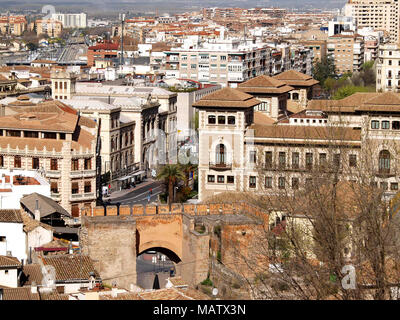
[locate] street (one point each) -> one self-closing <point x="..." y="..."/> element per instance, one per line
<point x="139" y="194"/>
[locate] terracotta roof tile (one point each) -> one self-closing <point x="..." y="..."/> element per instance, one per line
<point x="295" y="78"/>
<point x="71" y="267"/>
<point x="23" y="293"/>
<point x="264" y="84"/>
<point x="6" y="261"/>
<point x="12" y="216"/>
<point x="31" y="273"/>
<point x="227" y="97"/>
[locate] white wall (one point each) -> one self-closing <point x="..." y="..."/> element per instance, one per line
<point x="9" y="279"/>
<point x="15" y="240"/>
<point x="38" y="237"/>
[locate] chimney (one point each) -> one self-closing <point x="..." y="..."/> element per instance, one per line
<point x="114" y="293"/>
<point x="34" y="287"/>
<point x="9" y="254"/>
<point x="37" y="211"/>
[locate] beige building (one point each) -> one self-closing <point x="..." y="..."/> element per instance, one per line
<point x="388" y="68"/>
<point x="381" y="15"/>
<point x="52" y="28"/>
<point x="241" y="151"/>
<point x="56" y="141"/>
<point x="347" y="50"/>
<point x="13" y="25"/>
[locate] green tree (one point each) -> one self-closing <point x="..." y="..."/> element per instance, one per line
<point x="324" y="69"/>
<point x="348" y="90"/>
<point x="171" y="174"/>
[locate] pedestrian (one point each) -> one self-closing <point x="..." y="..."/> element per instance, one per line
<point x="151" y="191"/>
<point x="148" y="198"/>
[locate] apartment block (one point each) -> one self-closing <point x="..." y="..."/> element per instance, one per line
<point x="52" y="28"/>
<point x="347" y="50"/>
<point x="388" y="68"/>
<point x="13" y="25"/>
<point x="225" y="62"/>
<point x="377" y="14"/>
<point x="71" y="20"/>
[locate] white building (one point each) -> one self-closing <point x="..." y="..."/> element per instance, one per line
<point x="71" y="20"/>
<point x="340" y="24"/>
<point x="9" y="271"/>
<point x="388" y="68"/>
<point x="12" y="235"/>
<point x="15" y="184"/>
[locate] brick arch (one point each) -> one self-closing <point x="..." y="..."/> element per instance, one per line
<point x="163" y="247"/>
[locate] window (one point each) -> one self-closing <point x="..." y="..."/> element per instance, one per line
<point x="53" y="164"/>
<point x="1" y="161"/>
<point x="252" y="182"/>
<point x="295" y="183"/>
<point x="3" y="238"/>
<point x="253" y="156"/>
<point x="352" y="160"/>
<point x="394" y="186"/>
<point x="281" y="182"/>
<point x="75" y="210"/>
<point x="385" y="124"/>
<point x="35" y="163"/>
<point x="75" y="165"/>
<point x="221" y="119"/>
<point x="211" y="119"/>
<point x="75" y="188"/>
<point x="193" y="66"/>
<point x="374" y="124"/>
<point x="309" y="161"/>
<point x="231" y="120"/>
<point x="384" y="186"/>
<point x="54" y="187"/>
<point x="282" y="160"/>
<point x="230" y="179"/>
<point x="268" y="159"/>
<point x="268" y="182"/>
<point x="384" y="161"/>
<point x="221" y="179"/>
<point x="211" y="179"/>
<point x="88" y="187"/>
<point x="220" y="154"/>
<point x="17" y="162"/>
<point x="295" y="96"/>
<point x="396" y="125"/>
<point x="295" y="160"/>
<point x="88" y="164"/>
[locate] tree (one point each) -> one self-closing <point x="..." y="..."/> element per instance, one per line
<point x="348" y="90"/>
<point x="340" y="217"/>
<point x="171" y="174"/>
<point x="324" y="69"/>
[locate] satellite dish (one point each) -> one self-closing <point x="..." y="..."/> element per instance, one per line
<point x="215" y="292"/>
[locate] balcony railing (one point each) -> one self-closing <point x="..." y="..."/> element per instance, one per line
<point x="82" y="173"/>
<point x="56" y="196"/>
<point x="53" y="174"/>
<point x="220" y="165"/>
<point x="82" y="196"/>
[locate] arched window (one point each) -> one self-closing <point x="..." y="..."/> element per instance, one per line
<point x="220" y="155"/>
<point x="384" y="161"/>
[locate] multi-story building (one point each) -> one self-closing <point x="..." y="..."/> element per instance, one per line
<point x="71" y="20"/>
<point x="319" y="48"/>
<point x="224" y="62"/>
<point x="347" y="50"/>
<point x="340" y="24"/>
<point x="55" y="140"/>
<point x="52" y="28"/>
<point x="149" y="112"/>
<point x="102" y="51"/>
<point x="388" y="68"/>
<point x="14" y="25"/>
<point x="377" y="14"/>
<point x="243" y="152"/>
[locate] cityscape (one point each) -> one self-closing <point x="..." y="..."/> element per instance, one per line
<point x="239" y="151"/>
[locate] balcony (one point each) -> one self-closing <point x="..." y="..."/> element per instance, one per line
<point x="53" y="174"/>
<point x="220" y="166"/>
<point x="56" y="196"/>
<point x="82" y="196"/>
<point x="83" y="173"/>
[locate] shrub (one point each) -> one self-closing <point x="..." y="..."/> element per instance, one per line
<point x="207" y="282"/>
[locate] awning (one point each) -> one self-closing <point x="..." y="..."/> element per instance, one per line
<point x="125" y="178"/>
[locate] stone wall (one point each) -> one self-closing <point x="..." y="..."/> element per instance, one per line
<point x="111" y="243"/>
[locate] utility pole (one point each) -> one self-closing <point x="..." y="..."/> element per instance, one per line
<point x="122" y="18"/>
